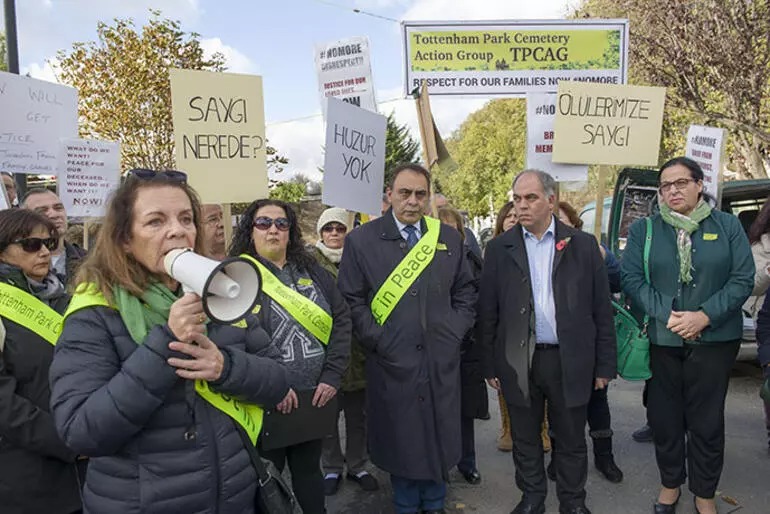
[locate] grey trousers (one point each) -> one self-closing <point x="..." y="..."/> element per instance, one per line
<point x="352" y="403"/>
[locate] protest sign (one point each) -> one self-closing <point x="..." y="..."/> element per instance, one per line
<point x="541" y="113"/>
<point x="219" y="130"/>
<point x="511" y="57"/>
<point x="706" y="146"/>
<point x="608" y="124"/>
<point x="89" y="171"/>
<point x="354" y="165"/>
<point x="344" y="71"/>
<point x="34" y="115"/>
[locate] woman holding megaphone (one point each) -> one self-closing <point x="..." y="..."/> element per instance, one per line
<point x="309" y="322"/>
<point x="142" y="384"/>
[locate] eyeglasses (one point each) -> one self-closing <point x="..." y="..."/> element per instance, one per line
<point x="146" y="174"/>
<point x="341" y="229"/>
<point x="679" y="184"/>
<point x="264" y="223"/>
<point x="214" y="220"/>
<point x="34" y="244"/>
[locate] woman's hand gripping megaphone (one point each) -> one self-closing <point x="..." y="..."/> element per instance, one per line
<point x="187" y="322"/>
<point x="187" y="318"/>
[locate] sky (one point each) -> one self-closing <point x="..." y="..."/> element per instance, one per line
<point x="275" y="39"/>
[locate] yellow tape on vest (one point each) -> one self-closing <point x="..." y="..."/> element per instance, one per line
<point x="24" y="309"/>
<point x="246" y="415"/>
<point x="403" y="276"/>
<point x="307" y="313"/>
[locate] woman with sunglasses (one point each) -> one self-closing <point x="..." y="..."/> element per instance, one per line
<point x="142" y="383"/>
<point x="37" y="471"/>
<point x="315" y="348"/>
<point x="700" y="273"/>
<point x="332" y="228"/>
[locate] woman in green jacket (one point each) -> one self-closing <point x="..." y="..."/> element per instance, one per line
<point x="332" y="228"/>
<point x="701" y="272"/>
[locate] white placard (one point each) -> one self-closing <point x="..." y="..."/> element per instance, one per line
<point x="541" y="113"/>
<point x="354" y="166"/>
<point x="344" y="71"/>
<point x="34" y="115"/>
<point x="705" y="145"/>
<point x="89" y="171"/>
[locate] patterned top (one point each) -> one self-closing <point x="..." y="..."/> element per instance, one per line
<point x="301" y="352"/>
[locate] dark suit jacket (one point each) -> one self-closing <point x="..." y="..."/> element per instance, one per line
<point x="413" y="359"/>
<point x="584" y="320"/>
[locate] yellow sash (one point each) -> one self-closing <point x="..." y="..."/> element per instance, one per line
<point x="306" y="312"/>
<point x="403" y="276"/>
<point x="24" y="309"/>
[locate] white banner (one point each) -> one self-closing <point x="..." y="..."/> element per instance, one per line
<point x="705" y="145"/>
<point x="541" y="114"/>
<point x="344" y="71"/>
<point x="89" y="171"/>
<point x="354" y="165"/>
<point x="512" y="58"/>
<point x="34" y="115"/>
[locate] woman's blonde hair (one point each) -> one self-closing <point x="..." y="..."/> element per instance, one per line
<point x="452" y="216"/>
<point x="107" y="264"/>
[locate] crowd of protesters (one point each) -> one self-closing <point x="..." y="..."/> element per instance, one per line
<point x="105" y="404"/>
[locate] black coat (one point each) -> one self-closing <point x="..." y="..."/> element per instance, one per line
<point x="585" y="327"/>
<point x="474" y="401"/>
<point x="413" y="361"/>
<point x="155" y="445"/>
<point x="37" y="471"/>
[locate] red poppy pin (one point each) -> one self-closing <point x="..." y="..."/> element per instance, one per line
<point x="561" y="245"/>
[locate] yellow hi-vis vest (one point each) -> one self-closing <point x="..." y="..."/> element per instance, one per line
<point x="247" y="415"/>
<point x="24" y="309"/>
<point x="306" y="312"/>
<point x="403" y="276"/>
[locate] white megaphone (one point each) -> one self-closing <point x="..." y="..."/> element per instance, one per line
<point x="229" y="289"/>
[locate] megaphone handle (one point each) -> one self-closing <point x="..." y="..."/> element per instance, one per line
<point x="187" y="289"/>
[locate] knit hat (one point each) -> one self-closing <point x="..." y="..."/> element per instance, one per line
<point x="333" y="214"/>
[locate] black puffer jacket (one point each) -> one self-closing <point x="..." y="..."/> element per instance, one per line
<point x="156" y="445"/>
<point x="37" y="471"/>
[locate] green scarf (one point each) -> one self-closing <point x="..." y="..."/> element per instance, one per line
<point x="685" y="226"/>
<point x="141" y="314"/>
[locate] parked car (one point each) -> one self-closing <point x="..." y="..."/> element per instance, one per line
<point x="636" y="196"/>
<point x="588" y="215"/>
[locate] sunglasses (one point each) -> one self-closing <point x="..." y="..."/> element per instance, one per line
<point x="341" y="229"/>
<point x="146" y="174"/>
<point x="264" y="223"/>
<point x="34" y="244"/>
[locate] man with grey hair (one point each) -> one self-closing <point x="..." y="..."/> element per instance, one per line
<point x="546" y="333"/>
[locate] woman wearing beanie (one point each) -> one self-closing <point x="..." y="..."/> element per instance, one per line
<point x="332" y="227"/>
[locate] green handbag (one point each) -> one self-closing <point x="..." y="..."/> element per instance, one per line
<point x="633" y="343"/>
